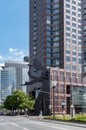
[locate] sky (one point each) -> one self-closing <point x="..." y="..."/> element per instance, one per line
<point x="14" y="29"/>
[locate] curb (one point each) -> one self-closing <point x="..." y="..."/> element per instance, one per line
<point x="70" y="123"/>
<point x="78" y="124"/>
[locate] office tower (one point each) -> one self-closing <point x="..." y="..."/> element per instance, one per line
<point x="7" y="82"/>
<point x="55" y="33"/>
<point x="57" y="39"/>
<point x="21" y="73"/>
<point x="84" y="35"/>
<point x="12" y="75"/>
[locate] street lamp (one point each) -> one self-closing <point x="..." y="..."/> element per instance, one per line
<point x="53" y="102"/>
<point x="53" y="86"/>
<point x="18" y="104"/>
<point x="72" y="109"/>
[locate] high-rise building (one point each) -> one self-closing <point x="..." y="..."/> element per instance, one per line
<point x="55" y="33"/>
<point x="7" y="82"/>
<point x="21" y="75"/>
<point x="84" y="34"/>
<point x="12" y="75"/>
<point x="57" y="39"/>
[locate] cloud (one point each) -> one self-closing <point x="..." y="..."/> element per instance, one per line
<point x="14" y="55"/>
<point x="1" y="64"/>
<point x="17" y="54"/>
<point x="12" y="50"/>
<point x="1" y="57"/>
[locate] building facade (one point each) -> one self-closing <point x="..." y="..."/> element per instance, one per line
<point x="7" y="82"/>
<point x="84" y="35"/>
<point x="21" y="74"/>
<point x="12" y="75"/>
<point x="55" y="33"/>
<point x="57" y="39"/>
<point x="67" y="90"/>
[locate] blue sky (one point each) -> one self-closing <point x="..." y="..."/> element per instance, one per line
<point x="14" y="30"/>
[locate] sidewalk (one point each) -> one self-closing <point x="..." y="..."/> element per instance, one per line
<point x="78" y="124"/>
<point x="41" y="118"/>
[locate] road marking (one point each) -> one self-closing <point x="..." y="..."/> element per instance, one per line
<point x="2" y="119"/>
<point x="3" y="123"/>
<point x="47" y="125"/>
<point x="13" y="124"/>
<point x="56" y="127"/>
<point x="26" y="129"/>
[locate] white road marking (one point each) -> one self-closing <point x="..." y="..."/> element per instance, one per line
<point x="13" y="124"/>
<point x="3" y="123"/>
<point x="2" y="119"/>
<point x="33" y="122"/>
<point x="10" y="123"/>
<point x="60" y="128"/>
<point x="47" y="125"/>
<point x="26" y="129"/>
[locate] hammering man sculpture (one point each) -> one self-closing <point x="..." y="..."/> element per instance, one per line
<point x="43" y="100"/>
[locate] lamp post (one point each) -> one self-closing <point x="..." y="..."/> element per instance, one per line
<point x="72" y="109"/>
<point x="53" y="85"/>
<point x="53" y="102"/>
<point x="18" y="104"/>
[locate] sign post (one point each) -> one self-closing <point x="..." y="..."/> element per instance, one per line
<point x="72" y="111"/>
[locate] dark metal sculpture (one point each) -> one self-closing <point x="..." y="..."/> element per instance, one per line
<point x="43" y="99"/>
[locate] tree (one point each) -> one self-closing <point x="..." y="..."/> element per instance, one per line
<point x="19" y="100"/>
<point x="7" y="103"/>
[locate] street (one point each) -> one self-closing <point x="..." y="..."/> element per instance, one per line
<point x="24" y="123"/>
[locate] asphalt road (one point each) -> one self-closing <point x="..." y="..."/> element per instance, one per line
<point x="24" y="123"/>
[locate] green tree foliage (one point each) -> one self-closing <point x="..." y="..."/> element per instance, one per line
<point x="19" y="100"/>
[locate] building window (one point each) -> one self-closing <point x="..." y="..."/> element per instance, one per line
<point x="73" y="19"/>
<point x="68" y="34"/>
<point x="79" y="61"/>
<point x="74" y="13"/>
<point x="79" y="15"/>
<point x="67" y="52"/>
<point x="74" y="53"/>
<point x="73" y="41"/>
<point x="73" y="35"/>
<point x="73" y="60"/>
<point x="74" y="24"/>
<point x="73" y="2"/>
<point x="67" y="11"/>
<point x="49" y="62"/>
<point x="67" y="40"/>
<point x="79" y="54"/>
<point x="74" y="47"/>
<point x="74" y="30"/>
<point x="68" y="28"/>
<point x="67" y="22"/>
<point x="74" y="68"/>
<point x="67" y="16"/>
<point x="79" y="10"/>
<point x="68" y="66"/>
<point x="68" y="5"/>
<point x="67" y="58"/>
<point x="73" y="7"/>
<point x="68" y="46"/>
<point x="68" y="0"/>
